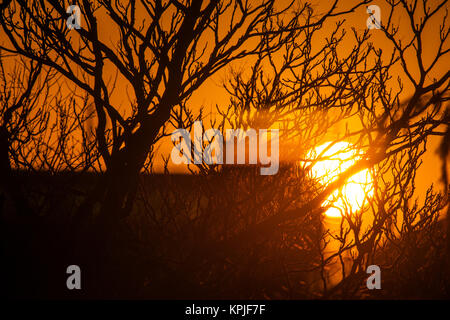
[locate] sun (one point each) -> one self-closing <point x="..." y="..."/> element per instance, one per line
<point x="336" y="159"/>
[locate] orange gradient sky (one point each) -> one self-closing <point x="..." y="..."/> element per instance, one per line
<point x="212" y="93"/>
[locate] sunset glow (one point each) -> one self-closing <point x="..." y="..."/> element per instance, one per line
<point x="337" y="159"/>
<point x="233" y="151"/>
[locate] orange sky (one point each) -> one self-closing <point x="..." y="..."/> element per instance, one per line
<point x="212" y="92"/>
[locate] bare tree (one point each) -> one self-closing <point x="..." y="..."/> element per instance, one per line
<point x="41" y="125"/>
<point x="158" y="54"/>
<point x="267" y="236"/>
<point x="393" y="134"/>
<point x="389" y="125"/>
<point x="21" y="120"/>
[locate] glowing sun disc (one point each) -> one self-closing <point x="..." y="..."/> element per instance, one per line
<point x="337" y="159"/>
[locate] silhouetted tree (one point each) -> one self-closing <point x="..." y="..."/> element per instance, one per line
<point x="161" y="52"/>
<point x="234" y="232"/>
<point x="21" y="120"/>
<point x="298" y="91"/>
